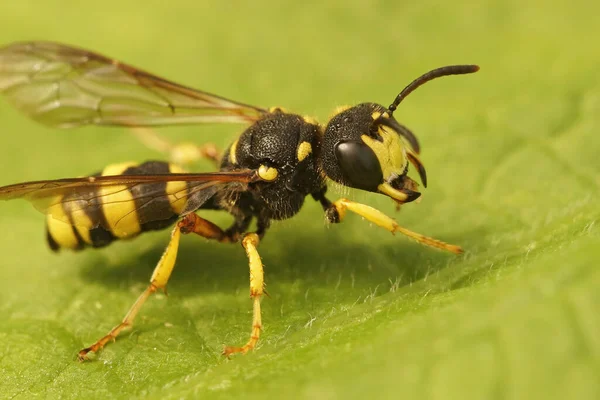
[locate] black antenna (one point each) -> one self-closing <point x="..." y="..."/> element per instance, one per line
<point x="436" y="73"/>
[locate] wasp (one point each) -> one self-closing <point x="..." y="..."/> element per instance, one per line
<point x="264" y="175"/>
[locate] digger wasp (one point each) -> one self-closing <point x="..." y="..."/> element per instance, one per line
<point x="264" y="175"/>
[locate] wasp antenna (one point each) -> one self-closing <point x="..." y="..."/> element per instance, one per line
<point x="433" y="74"/>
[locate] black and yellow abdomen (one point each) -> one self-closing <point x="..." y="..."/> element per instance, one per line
<point x="117" y="213"/>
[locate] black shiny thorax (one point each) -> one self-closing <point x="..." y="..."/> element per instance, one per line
<point x="287" y="142"/>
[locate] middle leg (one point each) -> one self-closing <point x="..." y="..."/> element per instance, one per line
<point x="192" y="223"/>
<point x="257" y="283"/>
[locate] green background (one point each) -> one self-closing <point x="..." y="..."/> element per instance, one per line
<point x="512" y="158"/>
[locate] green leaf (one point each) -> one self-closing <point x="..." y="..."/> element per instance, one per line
<point x="354" y="312"/>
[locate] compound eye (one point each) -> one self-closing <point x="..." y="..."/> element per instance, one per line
<point x="359" y="165"/>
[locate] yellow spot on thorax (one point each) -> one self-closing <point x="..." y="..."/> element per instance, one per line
<point x="267" y="173"/>
<point x="310" y="120"/>
<point x="304" y="149"/>
<point x="232" y="151"/>
<point x="278" y="109"/>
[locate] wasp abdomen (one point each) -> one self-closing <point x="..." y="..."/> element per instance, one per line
<point x="111" y="213"/>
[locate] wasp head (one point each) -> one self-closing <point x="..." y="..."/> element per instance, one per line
<point x="364" y="147"/>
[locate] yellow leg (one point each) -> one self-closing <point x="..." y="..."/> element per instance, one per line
<point x="257" y="282"/>
<point x="159" y="280"/>
<point x="382" y="220"/>
<point x="180" y="154"/>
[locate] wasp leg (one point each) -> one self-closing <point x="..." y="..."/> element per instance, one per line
<point x="250" y="242"/>
<point x="337" y="211"/>
<point x="159" y="280"/>
<point x="180" y="154"/>
<point x="320" y="197"/>
<point x="192" y="223"/>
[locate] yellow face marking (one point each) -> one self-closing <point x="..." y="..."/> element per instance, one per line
<point x="386" y="188"/>
<point x="118" y="205"/>
<point x="177" y="191"/>
<point x="390" y="152"/>
<point x="267" y="173"/>
<point x="304" y="150"/>
<point x="232" y="150"/>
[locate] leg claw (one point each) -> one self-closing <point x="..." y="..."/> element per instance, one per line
<point x="229" y="350"/>
<point x="82" y="355"/>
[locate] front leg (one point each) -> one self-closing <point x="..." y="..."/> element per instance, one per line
<point x="192" y="223"/>
<point x="321" y="198"/>
<point x="336" y="211"/>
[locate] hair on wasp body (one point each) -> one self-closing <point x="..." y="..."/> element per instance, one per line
<point x="264" y="175"/>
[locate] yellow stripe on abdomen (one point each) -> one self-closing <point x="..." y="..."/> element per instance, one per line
<point x="61" y="232"/>
<point x="67" y="223"/>
<point x="107" y="213"/>
<point x="177" y="191"/>
<point x="118" y="205"/>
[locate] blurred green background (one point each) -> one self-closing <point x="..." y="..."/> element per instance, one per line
<point x="512" y="158"/>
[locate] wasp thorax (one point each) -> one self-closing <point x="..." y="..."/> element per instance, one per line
<point x="281" y="148"/>
<point x="361" y="151"/>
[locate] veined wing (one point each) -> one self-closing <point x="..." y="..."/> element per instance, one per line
<point x="65" y="86"/>
<point x="79" y="201"/>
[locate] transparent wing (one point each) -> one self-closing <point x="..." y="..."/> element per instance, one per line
<point x="87" y="196"/>
<point x="65" y="86"/>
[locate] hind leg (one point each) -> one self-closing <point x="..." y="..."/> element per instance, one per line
<point x="159" y="280"/>
<point x="180" y="154"/>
